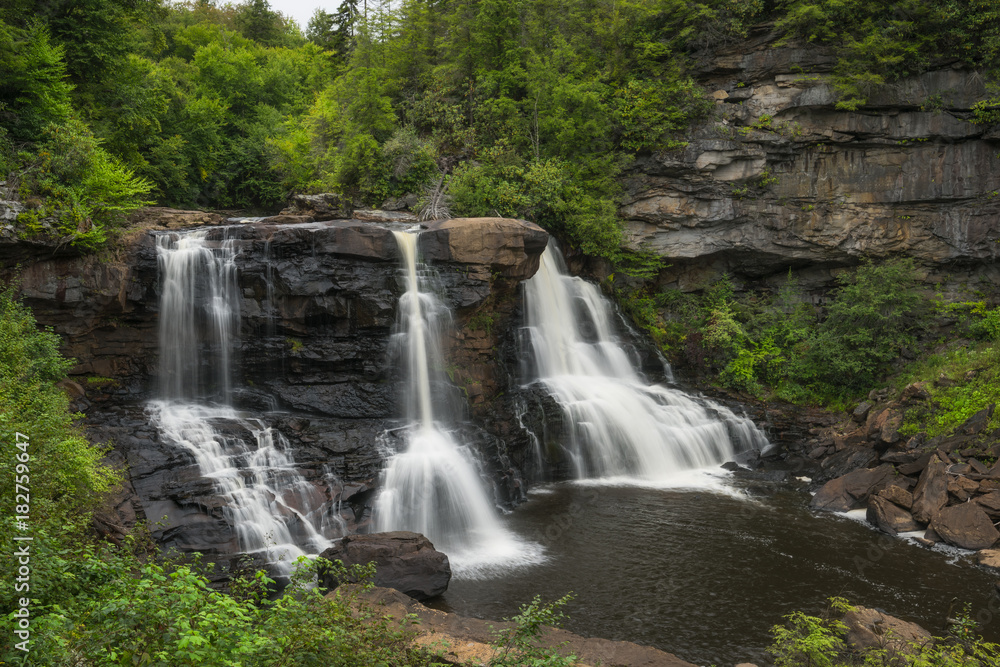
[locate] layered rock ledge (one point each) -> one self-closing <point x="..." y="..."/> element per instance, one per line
<point x="779" y="178"/>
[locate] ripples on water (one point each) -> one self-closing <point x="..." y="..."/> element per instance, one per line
<point x="705" y="574"/>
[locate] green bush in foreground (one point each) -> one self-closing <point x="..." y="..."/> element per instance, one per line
<point x="62" y="472"/>
<point x="812" y="641"/>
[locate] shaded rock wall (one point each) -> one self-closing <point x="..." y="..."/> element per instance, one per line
<point x="318" y="307"/>
<point x="777" y="177"/>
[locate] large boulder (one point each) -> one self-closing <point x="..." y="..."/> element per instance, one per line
<point x="852" y="490"/>
<point x="931" y="493"/>
<point x="871" y="628"/>
<point x="405" y="561"/>
<point x="890" y="517"/>
<point x="966" y="526"/>
<point x="504" y="245"/>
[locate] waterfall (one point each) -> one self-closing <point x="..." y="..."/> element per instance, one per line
<point x="198" y="308"/>
<point x="275" y="512"/>
<point x="434" y="486"/>
<point x="619" y="426"/>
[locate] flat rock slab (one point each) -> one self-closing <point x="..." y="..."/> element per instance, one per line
<point x="467" y="640"/>
<point x="966" y="526"/>
<point x="404" y="561"/>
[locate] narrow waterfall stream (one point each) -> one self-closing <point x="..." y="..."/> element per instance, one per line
<point x="275" y="512"/>
<point x="434" y="486"/>
<point x="619" y="426"/>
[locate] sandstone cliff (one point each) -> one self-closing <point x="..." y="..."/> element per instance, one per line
<point x="777" y="177"/>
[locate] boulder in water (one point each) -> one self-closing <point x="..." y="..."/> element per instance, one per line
<point x="852" y="490"/>
<point x="890" y="517"/>
<point x="966" y="526"/>
<point x="403" y="560"/>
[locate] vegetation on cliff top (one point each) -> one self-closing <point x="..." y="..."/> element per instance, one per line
<point x="523" y="108"/>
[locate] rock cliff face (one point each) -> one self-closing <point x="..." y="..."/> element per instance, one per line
<point x="779" y="178"/>
<point x="318" y="305"/>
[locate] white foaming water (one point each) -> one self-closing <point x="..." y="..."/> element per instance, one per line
<point x="621" y="428"/>
<point x="198" y="305"/>
<point x="274" y="510"/>
<point x="434" y="486"/>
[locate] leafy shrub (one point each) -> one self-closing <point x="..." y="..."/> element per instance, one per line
<point x="518" y="645"/>
<point x="811" y="641"/>
<point x="875" y="313"/>
<point x="67" y="477"/>
<point x="85" y="189"/>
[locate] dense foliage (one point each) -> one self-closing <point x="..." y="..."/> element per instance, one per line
<point x="526" y="108"/>
<point x="779" y="343"/>
<point x="820" y="641"/>
<point x="61" y="470"/>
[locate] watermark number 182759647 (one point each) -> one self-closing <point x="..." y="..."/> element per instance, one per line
<point x="22" y="542"/>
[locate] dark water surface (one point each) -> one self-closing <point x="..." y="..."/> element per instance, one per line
<point x="705" y="575"/>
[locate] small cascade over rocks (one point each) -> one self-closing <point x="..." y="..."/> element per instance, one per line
<point x="434" y="486"/>
<point x="619" y="426"/>
<point x="275" y="512"/>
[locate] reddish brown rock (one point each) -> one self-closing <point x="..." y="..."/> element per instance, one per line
<point x="990" y="502"/>
<point x="966" y="526"/>
<point x="890" y="517"/>
<point x="852" y="490"/>
<point x="989" y="558"/>
<point x="506" y="245"/>
<point x="870" y="628"/>
<point x="931" y="493"/>
<point x="914" y="393"/>
<point x="962" y="487"/>
<point x="897" y="495"/>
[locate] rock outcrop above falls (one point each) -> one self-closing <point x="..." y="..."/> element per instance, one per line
<point x="778" y="177"/>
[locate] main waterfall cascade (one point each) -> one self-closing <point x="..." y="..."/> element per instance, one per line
<point x="619" y="426"/>
<point x="275" y="512"/>
<point x="434" y="486"/>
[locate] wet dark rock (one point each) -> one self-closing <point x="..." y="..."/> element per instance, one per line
<point x="908" y="456"/>
<point x="966" y="526"/>
<point x="845" y="461"/>
<point x="405" y="561"/>
<point x="917" y="466"/>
